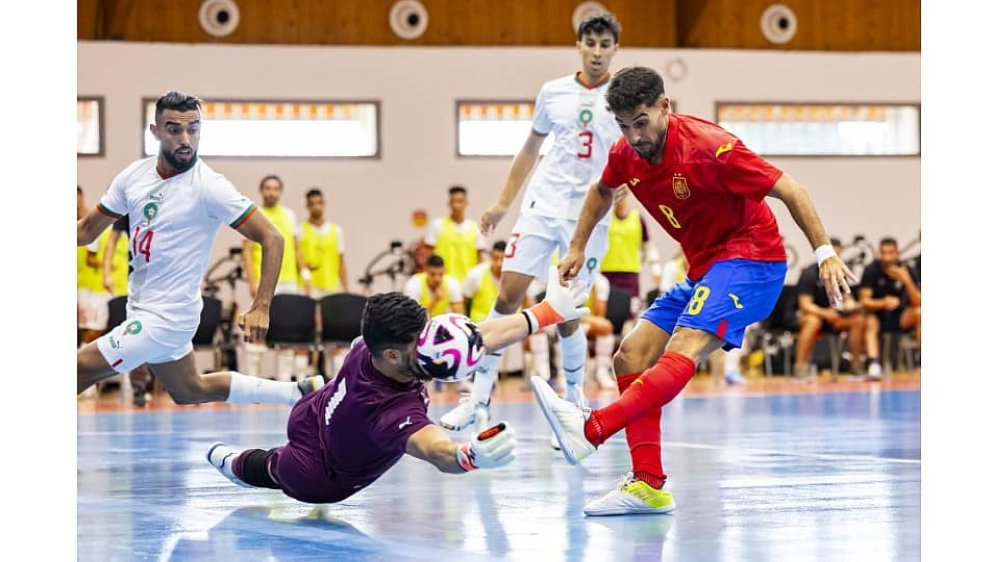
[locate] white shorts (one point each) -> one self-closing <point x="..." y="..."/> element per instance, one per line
<point x="534" y="239"/>
<point x="143" y="338"/>
<point x="93" y="309"/>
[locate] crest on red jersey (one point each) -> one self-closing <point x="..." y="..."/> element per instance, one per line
<point x="681" y="190"/>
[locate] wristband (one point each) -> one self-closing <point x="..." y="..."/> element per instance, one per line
<point x="540" y="316"/>
<point x="464" y="461"/>
<point x="824" y="253"/>
<point x="306" y="274"/>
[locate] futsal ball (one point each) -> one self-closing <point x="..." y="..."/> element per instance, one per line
<point x="449" y="348"/>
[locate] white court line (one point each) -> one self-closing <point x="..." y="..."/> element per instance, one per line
<point x="823" y="456"/>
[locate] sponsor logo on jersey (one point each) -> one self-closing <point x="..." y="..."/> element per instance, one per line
<point x="723" y="149"/>
<point x="335" y="400"/>
<point x="681" y="190"/>
<point x="633" y="182"/>
<point x="406" y="423"/>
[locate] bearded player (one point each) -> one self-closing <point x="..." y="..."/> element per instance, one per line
<point x="175" y="203"/>
<point x="572" y="109"/>
<point x="342" y="438"/>
<point x="706" y="189"/>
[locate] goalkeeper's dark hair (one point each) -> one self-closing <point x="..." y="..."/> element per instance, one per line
<point x="391" y="320"/>
<point x="632" y="87"/>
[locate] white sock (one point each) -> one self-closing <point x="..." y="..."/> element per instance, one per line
<point x="486" y="371"/>
<point x="255" y="390"/>
<point x="731" y="362"/>
<point x="538" y="343"/>
<point x="574" y="356"/>
<point x="604" y="346"/>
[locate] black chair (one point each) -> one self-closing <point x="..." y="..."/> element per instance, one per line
<point x="116" y="312"/>
<point x="340" y="318"/>
<point x="208" y="327"/>
<point x="340" y="315"/>
<point x="780" y="329"/>
<point x="293" y="322"/>
<point x="619" y="309"/>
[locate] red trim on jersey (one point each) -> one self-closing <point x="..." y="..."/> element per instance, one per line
<point x="242" y="220"/>
<point x="597" y="84"/>
<point x="107" y="212"/>
<point x="721" y="330"/>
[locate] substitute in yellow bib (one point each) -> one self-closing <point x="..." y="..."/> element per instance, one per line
<point x="271" y="188"/>
<point x="628" y="247"/>
<point x="482" y="284"/>
<point x="457" y="240"/>
<point x="435" y="290"/>
<point x="323" y="245"/>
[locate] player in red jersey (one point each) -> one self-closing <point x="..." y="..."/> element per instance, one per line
<point x="706" y="189"/>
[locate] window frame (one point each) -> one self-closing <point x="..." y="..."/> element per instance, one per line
<point x="100" y="127"/>
<point x="914" y="104"/>
<point x="378" y="127"/>
<point x="458" y="123"/>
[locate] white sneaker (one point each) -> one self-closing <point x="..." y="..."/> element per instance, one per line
<point x="605" y="380"/>
<point x="467" y="412"/>
<point x="221" y="457"/>
<point x="574" y="394"/>
<point x="875" y="371"/>
<point x="566" y="421"/>
<point x="630" y="496"/>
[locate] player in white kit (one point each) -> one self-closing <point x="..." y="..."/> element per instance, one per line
<point x="571" y="108"/>
<point x="175" y="204"/>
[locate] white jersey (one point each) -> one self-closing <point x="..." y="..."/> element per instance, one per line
<point x="173" y="222"/>
<point x="584" y="131"/>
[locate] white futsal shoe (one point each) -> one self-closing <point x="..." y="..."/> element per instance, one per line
<point x="566" y="421"/>
<point x="309" y="385"/>
<point x="468" y="412"/>
<point x="574" y="394"/>
<point x="221" y="457"/>
<point x="632" y="497"/>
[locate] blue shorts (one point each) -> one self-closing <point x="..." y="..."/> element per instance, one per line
<point x="727" y="299"/>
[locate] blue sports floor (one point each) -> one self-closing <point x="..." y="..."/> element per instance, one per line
<point x="806" y="476"/>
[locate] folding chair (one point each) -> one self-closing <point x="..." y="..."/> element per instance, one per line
<point x="340" y="316"/>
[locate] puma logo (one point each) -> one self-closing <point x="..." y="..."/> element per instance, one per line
<point x="736" y="301"/>
<point x="406" y="423"/>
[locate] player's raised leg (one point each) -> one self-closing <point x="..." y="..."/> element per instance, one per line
<point x="475" y="408"/>
<point x="91" y="367"/>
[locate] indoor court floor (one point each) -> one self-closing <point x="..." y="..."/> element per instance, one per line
<point x="770" y="471"/>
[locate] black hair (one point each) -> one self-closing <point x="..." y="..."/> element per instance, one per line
<point x="177" y="101"/>
<point x="834" y="241"/>
<point x="435" y="261"/>
<point x="457" y="189"/>
<point x="281" y="184"/>
<point x="632" y="87"/>
<point x="391" y="320"/>
<point x="599" y="24"/>
<point x="314" y="192"/>
<point x="888" y="241"/>
<point x="79" y="190"/>
<point x="499" y="246"/>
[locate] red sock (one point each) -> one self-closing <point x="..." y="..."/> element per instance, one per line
<point x="643" y="436"/>
<point x="660" y="384"/>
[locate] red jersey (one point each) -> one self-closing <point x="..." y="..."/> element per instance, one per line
<point x="707" y="193"/>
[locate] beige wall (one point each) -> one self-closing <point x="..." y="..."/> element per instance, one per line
<point x="417" y="87"/>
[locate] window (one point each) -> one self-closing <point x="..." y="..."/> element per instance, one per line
<point x="495" y="128"/>
<point x="89" y="140"/>
<point x="282" y="129"/>
<point x="773" y="129"/>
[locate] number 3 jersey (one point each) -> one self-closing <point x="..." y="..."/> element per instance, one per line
<point x="707" y="193"/>
<point x="173" y="221"/>
<point x="583" y="132"/>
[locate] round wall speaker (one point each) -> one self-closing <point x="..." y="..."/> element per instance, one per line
<point x="219" y="17"/>
<point x="778" y="24"/>
<point x="408" y="19"/>
<point x="586" y="10"/>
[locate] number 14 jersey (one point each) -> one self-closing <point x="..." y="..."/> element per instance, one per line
<point x="173" y="221"/>
<point x="583" y="130"/>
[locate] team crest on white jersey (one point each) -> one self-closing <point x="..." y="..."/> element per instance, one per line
<point x="152" y="208"/>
